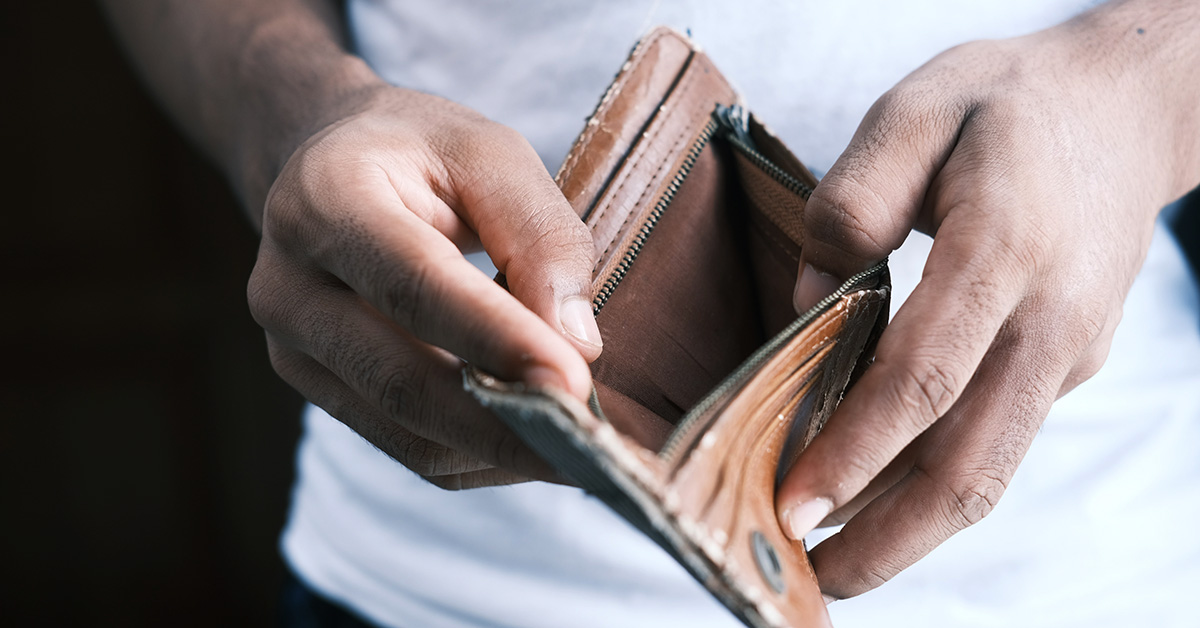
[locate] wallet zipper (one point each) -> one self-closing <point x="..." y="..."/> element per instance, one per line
<point x="696" y="417"/>
<point x="736" y="123"/>
<point x="643" y="233"/>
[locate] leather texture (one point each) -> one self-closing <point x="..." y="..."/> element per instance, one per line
<point x="709" y="385"/>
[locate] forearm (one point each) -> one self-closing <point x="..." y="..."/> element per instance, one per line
<point x="248" y="81"/>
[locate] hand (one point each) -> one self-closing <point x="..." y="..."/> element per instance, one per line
<point x="1038" y="164"/>
<point x="369" y="305"/>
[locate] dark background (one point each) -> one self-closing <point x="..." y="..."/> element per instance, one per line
<point x="145" y="442"/>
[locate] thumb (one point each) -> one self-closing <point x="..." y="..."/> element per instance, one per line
<point x="537" y="240"/>
<point x="871" y="198"/>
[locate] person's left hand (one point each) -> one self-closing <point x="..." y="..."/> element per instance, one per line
<point x="1038" y="164"/>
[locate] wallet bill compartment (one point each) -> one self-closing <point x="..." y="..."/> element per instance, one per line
<point x="704" y="282"/>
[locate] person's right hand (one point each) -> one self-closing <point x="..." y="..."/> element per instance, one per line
<point x="370" y="307"/>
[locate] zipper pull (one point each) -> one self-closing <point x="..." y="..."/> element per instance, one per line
<point x="735" y="120"/>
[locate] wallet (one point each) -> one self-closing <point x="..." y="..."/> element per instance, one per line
<point x="710" y="384"/>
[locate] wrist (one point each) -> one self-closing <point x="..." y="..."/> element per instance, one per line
<point x="1145" y="56"/>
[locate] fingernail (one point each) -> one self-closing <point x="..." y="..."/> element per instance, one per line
<point x="829" y="599"/>
<point x="812" y="286"/>
<point x="805" y="516"/>
<point x="577" y="320"/>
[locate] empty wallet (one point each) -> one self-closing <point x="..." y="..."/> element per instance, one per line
<point x="709" y="385"/>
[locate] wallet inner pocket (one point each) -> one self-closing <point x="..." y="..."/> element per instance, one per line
<point x="709" y="283"/>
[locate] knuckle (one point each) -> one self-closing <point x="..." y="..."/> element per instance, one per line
<point x="507" y="138"/>
<point x="304" y="186"/>
<point x="292" y="308"/>
<point x="506" y="450"/>
<point x="977" y="498"/>
<point x="420" y="455"/>
<point x="1022" y="248"/>
<point x="898" y="106"/>
<point x="400" y="393"/>
<point x="417" y="454"/>
<point x="1082" y="329"/>
<point x="841" y="214"/>
<point x="423" y="457"/>
<point x="446" y="482"/>
<point x="917" y="107"/>
<point x="927" y="389"/>
<point x="876" y="574"/>
<point x="473" y="147"/>
<point x="264" y="293"/>
<point x="970" y="496"/>
<point x="559" y="231"/>
<point x="553" y="245"/>
<point x="1089" y="324"/>
<point x="409" y="292"/>
<point x="298" y="194"/>
<point x="864" y="576"/>
<point x="282" y="361"/>
<point x="427" y="458"/>
<point x="259" y="295"/>
<point x="1091" y="364"/>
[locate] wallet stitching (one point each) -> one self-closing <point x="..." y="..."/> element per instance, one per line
<point x="649" y="186"/>
<point x="648" y="141"/>
<point x="844" y="315"/>
<point x="690" y="80"/>
<point x="606" y="104"/>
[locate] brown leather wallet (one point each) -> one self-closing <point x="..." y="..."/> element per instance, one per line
<point x="709" y="385"/>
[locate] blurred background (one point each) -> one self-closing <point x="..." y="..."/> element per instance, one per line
<point x="145" y="442"/>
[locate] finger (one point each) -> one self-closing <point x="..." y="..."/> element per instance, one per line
<point x="961" y="468"/>
<point x="433" y="210"/>
<point x="477" y="479"/>
<point x="923" y="362"/>
<point x="978" y="270"/>
<point x="531" y="232"/>
<point x="871" y="198"/>
<point x="388" y="386"/>
<point x="405" y="268"/>
<point x="1094" y="357"/>
<point x="424" y="457"/>
<point x="891" y="474"/>
<point x="326" y="391"/>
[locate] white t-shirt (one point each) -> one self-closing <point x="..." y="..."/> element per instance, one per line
<point x="1096" y="529"/>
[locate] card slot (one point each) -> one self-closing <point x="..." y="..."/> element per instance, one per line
<point x="778" y="203"/>
<point x="687" y="313"/>
<point x="774" y="216"/>
<point x="713" y="281"/>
